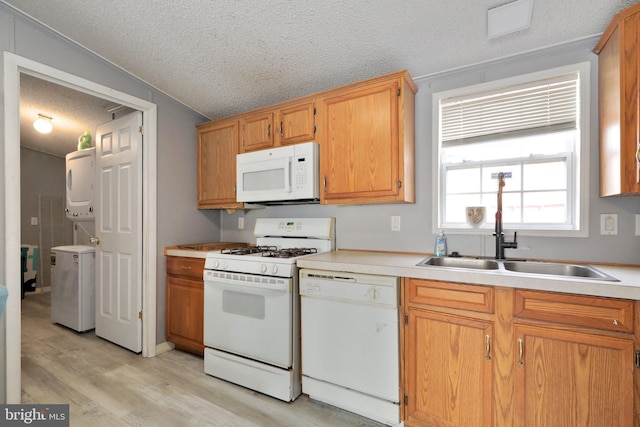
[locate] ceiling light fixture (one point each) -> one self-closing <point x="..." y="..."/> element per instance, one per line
<point x="43" y="124"/>
<point x="509" y="18"/>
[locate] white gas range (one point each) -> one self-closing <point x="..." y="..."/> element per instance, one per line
<point x="252" y="305"/>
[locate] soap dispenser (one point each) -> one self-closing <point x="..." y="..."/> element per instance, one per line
<point x="441" y="245"/>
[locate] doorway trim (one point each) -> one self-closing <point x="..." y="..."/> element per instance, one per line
<point x="13" y="66"/>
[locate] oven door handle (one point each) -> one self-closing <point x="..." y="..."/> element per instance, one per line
<point x="281" y="287"/>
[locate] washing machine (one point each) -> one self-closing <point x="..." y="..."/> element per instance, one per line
<point x="73" y="287"/>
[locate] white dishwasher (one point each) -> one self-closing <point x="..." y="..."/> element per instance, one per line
<point x="350" y="342"/>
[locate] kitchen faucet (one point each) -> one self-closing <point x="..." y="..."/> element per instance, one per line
<point x="501" y="244"/>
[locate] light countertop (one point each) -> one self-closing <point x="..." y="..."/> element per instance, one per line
<point x="200" y="250"/>
<point x="404" y="265"/>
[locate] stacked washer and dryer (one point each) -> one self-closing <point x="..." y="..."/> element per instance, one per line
<point x="73" y="267"/>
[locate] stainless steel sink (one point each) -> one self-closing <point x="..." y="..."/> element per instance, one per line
<point x="519" y="267"/>
<point x="470" y="263"/>
<point x="557" y="269"/>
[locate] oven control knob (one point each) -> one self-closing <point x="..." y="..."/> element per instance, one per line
<point x="216" y="264"/>
<point x="374" y="293"/>
<point x="263" y="268"/>
<point x="274" y="269"/>
<point x="225" y="265"/>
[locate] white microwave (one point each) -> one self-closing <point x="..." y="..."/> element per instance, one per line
<point x="282" y="175"/>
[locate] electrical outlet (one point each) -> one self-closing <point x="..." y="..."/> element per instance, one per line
<point x="395" y="223"/>
<point x="637" y="224"/>
<point x="241" y="223"/>
<point x="609" y="224"/>
<point x="34" y="220"/>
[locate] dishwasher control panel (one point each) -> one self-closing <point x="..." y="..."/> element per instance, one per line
<point x="382" y="290"/>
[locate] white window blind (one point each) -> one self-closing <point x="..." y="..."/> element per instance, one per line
<point x="541" y="106"/>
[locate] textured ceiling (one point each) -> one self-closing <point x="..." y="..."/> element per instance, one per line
<point x="72" y="113"/>
<point x="222" y="57"/>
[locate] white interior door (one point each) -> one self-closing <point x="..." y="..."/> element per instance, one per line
<point x="118" y="224"/>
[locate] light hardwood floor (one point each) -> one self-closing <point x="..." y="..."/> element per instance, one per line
<point x="106" y="385"/>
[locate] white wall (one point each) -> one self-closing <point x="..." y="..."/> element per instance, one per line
<point x="178" y="220"/>
<point x="368" y="226"/>
<point x="40" y="173"/>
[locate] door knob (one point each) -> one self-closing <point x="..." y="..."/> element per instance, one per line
<point x="95" y="240"/>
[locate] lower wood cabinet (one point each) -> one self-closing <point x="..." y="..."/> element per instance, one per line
<point x="575" y="360"/>
<point x="185" y="303"/>
<point x="511" y="357"/>
<point x="448" y="360"/>
<point x="569" y="378"/>
<point x="450" y="373"/>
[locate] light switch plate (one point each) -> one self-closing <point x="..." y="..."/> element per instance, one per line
<point x="609" y="224"/>
<point x="637" y="224"/>
<point x="395" y="223"/>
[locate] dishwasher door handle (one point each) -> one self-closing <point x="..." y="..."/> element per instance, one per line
<point x="344" y="279"/>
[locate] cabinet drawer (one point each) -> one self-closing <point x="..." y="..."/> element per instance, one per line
<point x="577" y="310"/>
<point x="185" y="266"/>
<point x="451" y="295"/>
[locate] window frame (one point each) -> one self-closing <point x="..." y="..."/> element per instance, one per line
<point x="578" y="181"/>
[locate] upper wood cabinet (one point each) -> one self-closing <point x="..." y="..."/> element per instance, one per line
<point x="216" y="164"/>
<point x="287" y="124"/>
<point x="365" y="131"/>
<point x="366" y="140"/>
<point x="257" y="132"/>
<point x="295" y="123"/>
<point x="619" y="91"/>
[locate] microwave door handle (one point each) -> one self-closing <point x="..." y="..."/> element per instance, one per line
<point x="287" y="174"/>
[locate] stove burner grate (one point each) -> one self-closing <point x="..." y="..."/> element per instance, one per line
<point x="289" y="252"/>
<point x="247" y="250"/>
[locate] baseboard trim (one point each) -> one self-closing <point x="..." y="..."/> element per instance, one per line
<point x="164" y="347"/>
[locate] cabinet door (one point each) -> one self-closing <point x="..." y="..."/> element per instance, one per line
<point x="619" y="88"/>
<point x="185" y="313"/>
<point x="449" y="371"/>
<point x="257" y="132"/>
<point x="216" y="165"/>
<point x="568" y="378"/>
<point x="295" y="124"/>
<point x="360" y="152"/>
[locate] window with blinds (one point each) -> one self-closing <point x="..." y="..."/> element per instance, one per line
<point x="528" y="127"/>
